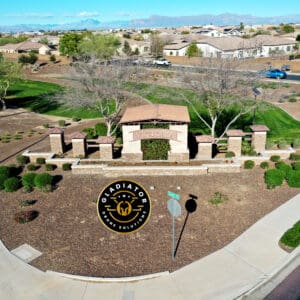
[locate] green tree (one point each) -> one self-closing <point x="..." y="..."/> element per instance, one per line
<point x="52" y="58"/>
<point x="286" y="28"/>
<point x="9" y="71"/>
<point x="31" y="58"/>
<point x="100" y="46"/>
<point x="136" y="51"/>
<point x="127" y="49"/>
<point x="69" y="42"/>
<point x="193" y="50"/>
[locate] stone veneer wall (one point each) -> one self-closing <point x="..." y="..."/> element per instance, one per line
<point x="235" y="145"/>
<point x="131" y="149"/>
<point x="179" y="149"/>
<point x="259" y="141"/>
<point x="57" y="142"/>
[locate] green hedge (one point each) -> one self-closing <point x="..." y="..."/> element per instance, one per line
<point x="100" y="129"/>
<point x="285" y="168"/>
<point x="249" y="164"/>
<point x="275" y="158"/>
<point x="5" y="173"/>
<point x="291" y="237"/>
<point x="43" y="181"/>
<point x="293" y="178"/>
<point x="273" y="178"/>
<point x="11" y="184"/>
<point x="41" y="160"/>
<point x="264" y="165"/>
<point x="66" y="167"/>
<point x="296" y="166"/>
<point x="22" y="160"/>
<point x="28" y="181"/>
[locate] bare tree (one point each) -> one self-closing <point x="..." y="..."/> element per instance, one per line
<point x="156" y="45"/>
<point x="101" y="87"/>
<point x="218" y="85"/>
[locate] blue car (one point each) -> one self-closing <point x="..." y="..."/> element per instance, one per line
<point x="276" y="73"/>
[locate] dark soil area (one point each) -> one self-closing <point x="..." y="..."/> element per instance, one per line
<point x="73" y="240"/>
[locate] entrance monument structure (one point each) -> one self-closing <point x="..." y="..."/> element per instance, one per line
<point x="175" y="116"/>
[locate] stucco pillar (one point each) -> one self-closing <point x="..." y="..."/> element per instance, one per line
<point x="235" y="141"/>
<point x="131" y="148"/>
<point x="57" y="143"/>
<point x="179" y="149"/>
<point x="79" y="144"/>
<point x="259" y="137"/>
<point x="205" y="143"/>
<point x="106" y="144"/>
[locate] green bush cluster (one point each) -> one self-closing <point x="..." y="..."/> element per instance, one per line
<point x="100" y="129"/>
<point x="283" y="167"/>
<point x="249" y="164"/>
<point x="294" y="156"/>
<point x="32" y="167"/>
<point x="11" y="184"/>
<point x="22" y="160"/>
<point x="5" y="173"/>
<point x="296" y="166"/>
<point x="66" y="167"/>
<point x="90" y="132"/>
<point x="28" y="181"/>
<point x="229" y="154"/>
<point x="43" y="182"/>
<point x="61" y="123"/>
<point x="293" y="178"/>
<point x="264" y="165"/>
<point x="41" y="160"/>
<point x="275" y="158"/>
<point x="273" y="178"/>
<point x="75" y="119"/>
<point x="50" y="167"/>
<point x="291" y="237"/>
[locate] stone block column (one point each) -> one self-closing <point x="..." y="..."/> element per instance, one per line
<point x="79" y="144"/>
<point x="106" y="144"/>
<point x="131" y="148"/>
<point x="235" y="141"/>
<point x="179" y="149"/>
<point x="259" y="137"/>
<point x="57" y="143"/>
<point x="205" y="143"/>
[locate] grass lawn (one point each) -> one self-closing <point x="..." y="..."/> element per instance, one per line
<point x="36" y="96"/>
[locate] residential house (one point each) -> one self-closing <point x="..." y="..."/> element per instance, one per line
<point x="26" y="46"/>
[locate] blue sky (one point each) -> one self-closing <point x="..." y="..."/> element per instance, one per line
<point x="65" y="11"/>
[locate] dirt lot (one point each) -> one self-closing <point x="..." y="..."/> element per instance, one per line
<point x="73" y="240"/>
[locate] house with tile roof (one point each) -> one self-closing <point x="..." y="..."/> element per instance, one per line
<point x="26" y="46"/>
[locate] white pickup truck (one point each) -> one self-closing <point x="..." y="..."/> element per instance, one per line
<point x="162" y="62"/>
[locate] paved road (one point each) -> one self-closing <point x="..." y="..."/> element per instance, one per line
<point x="289" y="289"/>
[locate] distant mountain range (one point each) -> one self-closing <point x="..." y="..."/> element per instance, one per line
<point x="156" y="21"/>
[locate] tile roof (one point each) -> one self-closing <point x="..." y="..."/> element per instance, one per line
<point x="78" y="135"/>
<point x="27" y="45"/>
<point x="259" y="128"/>
<point x="55" y="131"/>
<point x="235" y="132"/>
<point x="204" y="139"/>
<point x="162" y="112"/>
<point x="106" y="139"/>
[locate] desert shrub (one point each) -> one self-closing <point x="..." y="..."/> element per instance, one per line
<point x="50" y="167"/>
<point x="66" y="167"/>
<point x="296" y="166"/>
<point x="275" y="158"/>
<point x="291" y="237"/>
<point x="285" y="168"/>
<point x="26" y="216"/>
<point x="5" y="170"/>
<point x="249" y="164"/>
<point x="296" y="143"/>
<point x="46" y="125"/>
<point x="75" y="119"/>
<point x="292" y="99"/>
<point x="22" y="160"/>
<point x="24" y="203"/>
<point x="41" y="160"/>
<point x="264" y="165"/>
<point x="90" y="132"/>
<point x="43" y="181"/>
<point x="11" y="184"/>
<point x="283" y="144"/>
<point x="273" y="178"/>
<point x="294" y="156"/>
<point x="32" y="167"/>
<point x="61" y="123"/>
<point x="100" y="129"/>
<point x="28" y="181"/>
<point x="229" y="154"/>
<point x="293" y="178"/>
<point x="3" y="177"/>
<point x="218" y="198"/>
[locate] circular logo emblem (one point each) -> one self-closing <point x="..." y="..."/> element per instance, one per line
<point x="124" y="206"/>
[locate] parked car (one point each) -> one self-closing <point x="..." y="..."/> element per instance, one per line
<point x="143" y="61"/>
<point x="285" y="68"/>
<point x="275" y="73"/>
<point x="162" y="62"/>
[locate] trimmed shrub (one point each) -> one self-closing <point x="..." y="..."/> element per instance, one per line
<point x="22" y="160"/>
<point x="273" y="178"/>
<point x="11" y="184"/>
<point x="6" y="171"/>
<point x="229" y="154"/>
<point x="61" y="123"/>
<point x="291" y="237"/>
<point x="100" y="129"/>
<point x="293" y="178"/>
<point x="283" y="145"/>
<point x="43" y="182"/>
<point x="24" y="203"/>
<point x="66" y="167"/>
<point x="3" y="177"/>
<point x="75" y="119"/>
<point x="275" y="158"/>
<point x="296" y="143"/>
<point x="50" y="167"/>
<point x="285" y="168"/>
<point x="28" y="181"/>
<point x="46" y="125"/>
<point x="41" y="160"/>
<point x="26" y="216"/>
<point x="296" y="166"/>
<point x="32" y="167"/>
<point x="294" y="156"/>
<point x="90" y="132"/>
<point x="264" y="165"/>
<point x="249" y="164"/>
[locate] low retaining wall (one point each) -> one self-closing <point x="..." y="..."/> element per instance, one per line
<point x="34" y="155"/>
<point x="223" y="168"/>
<point x="60" y="161"/>
<point x="257" y="159"/>
<point x="284" y="154"/>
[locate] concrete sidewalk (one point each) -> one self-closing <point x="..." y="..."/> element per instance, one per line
<point x="226" y="274"/>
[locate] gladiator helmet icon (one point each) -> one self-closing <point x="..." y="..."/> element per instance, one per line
<point x="124" y="208"/>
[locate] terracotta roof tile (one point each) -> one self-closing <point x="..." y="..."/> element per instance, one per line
<point x="259" y="128"/>
<point x="106" y="139"/>
<point x="235" y="132"/>
<point x="204" y="139"/>
<point x="163" y="112"/>
<point x="55" y="131"/>
<point x="78" y="135"/>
